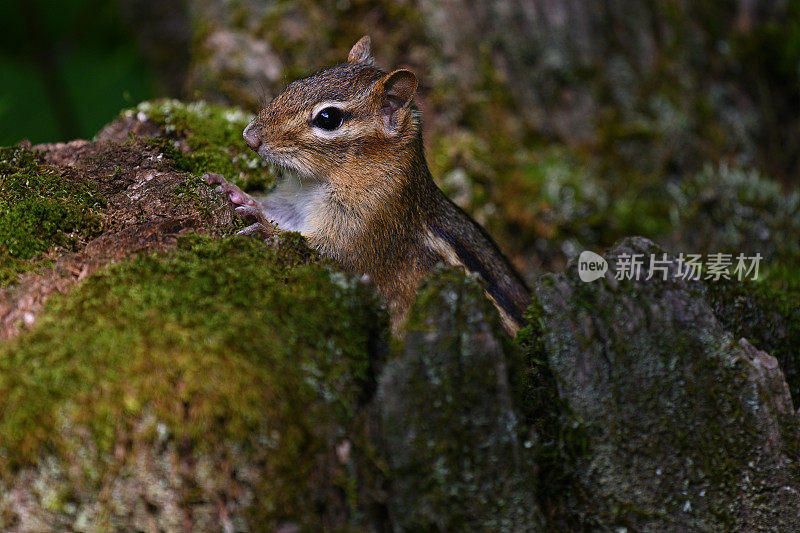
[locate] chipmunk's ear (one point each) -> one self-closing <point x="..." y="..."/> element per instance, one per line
<point x="361" y="53"/>
<point x="397" y="90"/>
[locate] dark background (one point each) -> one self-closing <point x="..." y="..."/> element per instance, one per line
<point x="67" y="69"/>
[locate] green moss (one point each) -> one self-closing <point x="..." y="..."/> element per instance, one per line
<point x="192" y="193"/>
<point x="40" y="208"/>
<point x="220" y="341"/>
<point x="213" y="137"/>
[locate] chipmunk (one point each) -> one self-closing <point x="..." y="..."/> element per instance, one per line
<point x="359" y="188"/>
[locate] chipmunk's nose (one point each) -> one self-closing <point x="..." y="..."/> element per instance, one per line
<point x="251" y="136"/>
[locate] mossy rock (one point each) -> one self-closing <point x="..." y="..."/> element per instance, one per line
<point x="457" y="452"/>
<point x="765" y="311"/>
<point x="41" y="207"/>
<point x="214" y="385"/>
<point x="198" y="137"/>
<point x="561" y="439"/>
<point x="686" y="428"/>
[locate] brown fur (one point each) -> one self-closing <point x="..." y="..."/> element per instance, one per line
<point x="365" y="197"/>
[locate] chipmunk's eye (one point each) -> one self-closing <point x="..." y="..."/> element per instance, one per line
<point x="329" y="118"/>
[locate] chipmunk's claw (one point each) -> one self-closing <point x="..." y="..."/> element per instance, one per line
<point x="256" y="230"/>
<point x="259" y="226"/>
<point x="250" y="213"/>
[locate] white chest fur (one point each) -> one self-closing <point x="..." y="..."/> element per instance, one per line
<point x="296" y="206"/>
<point x="332" y="222"/>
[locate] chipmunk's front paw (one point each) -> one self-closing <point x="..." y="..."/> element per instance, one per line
<point x="246" y="207"/>
<point x="236" y="195"/>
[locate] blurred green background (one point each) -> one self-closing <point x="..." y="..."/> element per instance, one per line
<point x="67" y="68"/>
